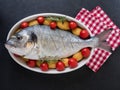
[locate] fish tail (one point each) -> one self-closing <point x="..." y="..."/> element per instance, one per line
<point x="102" y="40"/>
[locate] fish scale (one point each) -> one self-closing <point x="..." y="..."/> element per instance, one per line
<point x="56" y="42"/>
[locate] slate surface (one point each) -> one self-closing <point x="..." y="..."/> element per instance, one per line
<point x="15" y="77"/>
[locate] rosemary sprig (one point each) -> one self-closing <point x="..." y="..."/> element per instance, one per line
<point x="53" y="18"/>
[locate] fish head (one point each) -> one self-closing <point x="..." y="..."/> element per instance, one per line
<point x="21" y="42"/>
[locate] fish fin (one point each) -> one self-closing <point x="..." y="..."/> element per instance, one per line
<point x="102" y="40"/>
<point x="105" y="46"/>
<point x="102" y="36"/>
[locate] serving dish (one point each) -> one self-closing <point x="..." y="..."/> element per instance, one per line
<point x="51" y="71"/>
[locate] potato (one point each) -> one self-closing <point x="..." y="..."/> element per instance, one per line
<point x="47" y="22"/>
<point x="18" y="30"/>
<point x="25" y="59"/>
<point x="52" y="64"/>
<point x="63" y="25"/>
<point x="34" y="22"/>
<point x="76" y="31"/>
<point x="65" y="61"/>
<point x="78" y="56"/>
<point x="38" y="62"/>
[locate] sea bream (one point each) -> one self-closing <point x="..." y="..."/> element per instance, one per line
<point x="39" y="42"/>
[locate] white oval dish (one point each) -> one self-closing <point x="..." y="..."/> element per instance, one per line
<point x="51" y="71"/>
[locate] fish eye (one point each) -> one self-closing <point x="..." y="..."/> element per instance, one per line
<point x="19" y="37"/>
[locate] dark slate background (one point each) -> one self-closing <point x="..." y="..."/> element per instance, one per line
<point x="15" y="77"/>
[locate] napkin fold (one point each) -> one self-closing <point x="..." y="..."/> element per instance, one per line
<point x="98" y="21"/>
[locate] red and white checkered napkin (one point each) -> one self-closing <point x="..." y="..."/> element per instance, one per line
<point x="114" y="37"/>
<point x="97" y="21"/>
<point x="98" y="58"/>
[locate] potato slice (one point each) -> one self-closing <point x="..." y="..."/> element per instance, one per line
<point x="34" y="22"/>
<point x="65" y="61"/>
<point x="38" y="62"/>
<point x="47" y="22"/>
<point x="25" y="59"/>
<point x="18" y="30"/>
<point x="63" y="25"/>
<point x="52" y="64"/>
<point x="76" y="31"/>
<point x="78" y="56"/>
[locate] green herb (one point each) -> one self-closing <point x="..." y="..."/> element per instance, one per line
<point x="49" y="61"/>
<point x="53" y="18"/>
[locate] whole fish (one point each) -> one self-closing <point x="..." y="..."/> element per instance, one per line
<point x="39" y="42"/>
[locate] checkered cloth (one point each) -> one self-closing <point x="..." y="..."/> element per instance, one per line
<point x="97" y="59"/>
<point x="93" y="23"/>
<point x="97" y="21"/>
<point x="114" y="37"/>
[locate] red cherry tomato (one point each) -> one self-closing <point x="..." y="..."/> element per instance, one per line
<point x="24" y="24"/>
<point x="84" y="34"/>
<point x="60" y="66"/>
<point x="40" y="19"/>
<point x="72" y="25"/>
<point x="85" y="52"/>
<point x="72" y="63"/>
<point x="44" y="66"/>
<point x="31" y="63"/>
<point x="53" y="25"/>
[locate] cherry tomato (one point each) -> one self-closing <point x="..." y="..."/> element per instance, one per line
<point x="53" y="25"/>
<point x="60" y="66"/>
<point x="40" y="19"/>
<point x="72" y="25"/>
<point x="84" y="34"/>
<point x="31" y="63"/>
<point x="44" y="66"/>
<point x="24" y="24"/>
<point x="85" y="52"/>
<point x="72" y="63"/>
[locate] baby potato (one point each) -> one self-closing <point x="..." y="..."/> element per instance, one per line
<point x="25" y="59"/>
<point x="38" y="62"/>
<point x="76" y="31"/>
<point x="52" y="64"/>
<point x="47" y="22"/>
<point x="18" y="30"/>
<point x="78" y="56"/>
<point x="34" y="22"/>
<point x="63" y="25"/>
<point x="65" y="61"/>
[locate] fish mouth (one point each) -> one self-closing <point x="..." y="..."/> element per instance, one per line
<point x="9" y="45"/>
